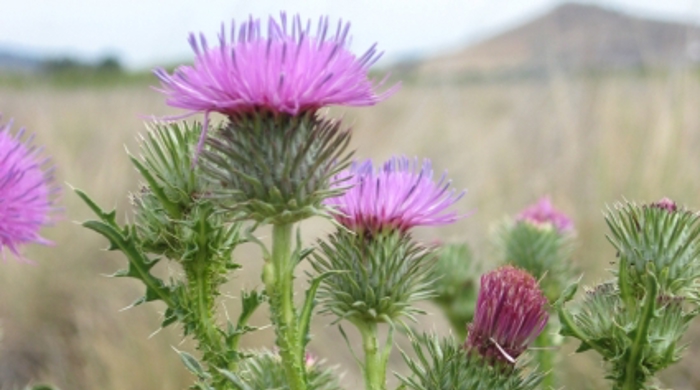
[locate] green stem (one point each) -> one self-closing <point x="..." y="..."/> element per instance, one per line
<point x="546" y="355"/>
<point x="633" y="377"/>
<point x="206" y="332"/>
<point x="278" y="275"/>
<point x="374" y="369"/>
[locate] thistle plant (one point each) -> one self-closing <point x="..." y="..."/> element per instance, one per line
<point x="274" y="160"/>
<point x="511" y="312"/>
<point x="636" y="320"/>
<point x="376" y="269"/>
<point x="277" y="159"/>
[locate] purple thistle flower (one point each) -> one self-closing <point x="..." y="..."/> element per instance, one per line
<point x="26" y="191"/>
<point x="288" y="70"/>
<point x="511" y="312"/>
<point x="543" y="213"/>
<point x="399" y="195"/>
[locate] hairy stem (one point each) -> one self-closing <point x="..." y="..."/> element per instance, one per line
<point x="374" y="369"/>
<point x="278" y="275"/>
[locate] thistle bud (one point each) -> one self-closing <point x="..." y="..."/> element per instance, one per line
<point x="660" y="238"/>
<point x="382" y="277"/>
<point x="511" y="312"/>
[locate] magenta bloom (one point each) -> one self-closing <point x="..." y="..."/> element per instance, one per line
<point x="665" y="204"/>
<point x="399" y="195"/>
<point x="511" y="312"/>
<point x="543" y="213"/>
<point x="26" y="192"/>
<point x="288" y="70"/>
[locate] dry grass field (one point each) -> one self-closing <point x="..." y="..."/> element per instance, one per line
<point x="587" y="141"/>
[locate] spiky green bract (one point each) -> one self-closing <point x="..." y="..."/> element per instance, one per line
<point x="540" y="249"/>
<point x="377" y="278"/>
<point x="659" y="234"/>
<point x="455" y="274"/>
<point x="647" y="334"/>
<point x="276" y="168"/>
<point x="446" y="365"/>
<point x="264" y="370"/>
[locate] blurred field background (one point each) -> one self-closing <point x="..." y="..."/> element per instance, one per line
<point x="544" y="122"/>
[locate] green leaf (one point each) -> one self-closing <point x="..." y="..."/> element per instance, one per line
<point x="125" y="241"/>
<point x="192" y="364"/>
<point x="568" y="294"/>
<point x="310" y="302"/>
<point x="233" y="378"/>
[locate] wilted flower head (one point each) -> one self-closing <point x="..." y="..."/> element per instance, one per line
<point x="543" y="213"/>
<point x="290" y="69"/>
<point x="511" y="312"/>
<point x="399" y="195"/>
<point x="26" y="191"/>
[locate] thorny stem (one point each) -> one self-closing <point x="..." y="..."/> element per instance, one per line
<point x="278" y="275"/>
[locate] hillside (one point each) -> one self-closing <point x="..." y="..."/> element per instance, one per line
<point x="575" y="37"/>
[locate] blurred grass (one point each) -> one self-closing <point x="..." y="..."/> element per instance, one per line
<point x="587" y="140"/>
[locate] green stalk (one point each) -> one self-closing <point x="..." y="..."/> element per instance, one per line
<point x="206" y="331"/>
<point x="278" y="275"/>
<point x="633" y="369"/>
<point x="546" y="355"/>
<point x="374" y="369"/>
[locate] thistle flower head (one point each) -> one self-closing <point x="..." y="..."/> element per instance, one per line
<point x="511" y="311"/>
<point x="26" y="191"/>
<point x="290" y="69"/>
<point x="399" y="195"/>
<point x="543" y="213"/>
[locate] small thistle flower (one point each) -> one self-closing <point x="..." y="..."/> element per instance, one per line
<point x="511" y="312"/>
<point x="27" y="191"/>
<point x="290" y="70"/>
<point x="544" y="214"/>
<point x="665" y="204"/>
<point x="399" y="195"/>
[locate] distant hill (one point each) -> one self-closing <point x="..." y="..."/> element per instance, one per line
<point x="18" y="61"/>
<point x="574" y="37"/>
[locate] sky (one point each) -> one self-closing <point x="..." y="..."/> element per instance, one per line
<point x="147" y="33"/>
